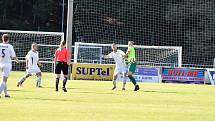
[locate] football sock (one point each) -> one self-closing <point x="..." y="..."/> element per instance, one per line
<point x="64" y="82"/>
<point x="2" y="86"/>
<point x="38" y="81"/>
<point x="22" y="79"/>
<point x="57" y="83"/>
<point x="5" y="90"/>
<point x="132" y="79"/>
<point x="124" y="82"/>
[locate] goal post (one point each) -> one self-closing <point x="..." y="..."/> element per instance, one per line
<point x="69" y="30"/>
<point x="47" y="42"/>
<point x="170" y="56"/>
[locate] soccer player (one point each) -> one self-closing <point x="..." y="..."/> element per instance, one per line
<point x="130" y="54"/>
<point x="118" y="55"/>
<point x="6" y="53"/>
<point x="32" y="62"/>
<point x="61" y="64"/>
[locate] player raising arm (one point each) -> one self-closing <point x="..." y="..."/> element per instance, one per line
<point x="32" y="62"/>
<point x="130" y="54"/>
<point x="6" y="53"/>
<point x="117" y="55"/>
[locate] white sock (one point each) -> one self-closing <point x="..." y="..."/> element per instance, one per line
<point x="38" y="81"/>
<point x="124" y="81"/>
<point x="5" y="90"/>
<point x="2" y="86"/>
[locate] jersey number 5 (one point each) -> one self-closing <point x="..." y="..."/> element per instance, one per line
<point x="3" y="53"/>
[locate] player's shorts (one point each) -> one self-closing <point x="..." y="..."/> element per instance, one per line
<point x="32" y="70"/>
<point x="132" y="67"/>
<point x="5" y="69"/>
<point x="120" y="70"/>
<point x="61" y="66"/>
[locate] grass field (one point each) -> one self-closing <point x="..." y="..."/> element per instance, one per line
<point x="94" y="101"/>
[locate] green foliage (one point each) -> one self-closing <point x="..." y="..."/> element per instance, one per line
<point x="30" y="15"/>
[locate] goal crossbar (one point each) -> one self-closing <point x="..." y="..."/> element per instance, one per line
<point x="162" y="52"/>
<point x="31" y="32"/>
<point x="137" y="46"/>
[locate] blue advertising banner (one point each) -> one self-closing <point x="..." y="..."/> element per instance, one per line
<point x="145" y="74"/>
<point x="183" y="75"/>
<point x="147" y="71"/>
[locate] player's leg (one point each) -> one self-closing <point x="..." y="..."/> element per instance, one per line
<point x="5" y="74"/>
<point x="115" y="75"/>
<point x="57" y="72"/>
<point x="124" y="80"/>
<point x="22" y="79"/>
<point x="3" y="83"/>
<point x="57" y="81"/>
<point x="3" y="86"/>
<point x="124" y="71"/>
<point x="39" y="79"/>
<point x="64" y="83"/>
<point x="114" y="80"/>
<point x="6" y="92"/>
<point x="65" y="73"/>
<point x="131" y="70"/>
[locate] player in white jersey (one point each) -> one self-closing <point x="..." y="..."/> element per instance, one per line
<point x="6" y="53"/>
<point x="120" y="67"/>
<point x="32" y="62"/>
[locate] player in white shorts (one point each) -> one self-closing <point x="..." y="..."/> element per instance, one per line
<point x="120" y="65"/>
<point x="6" y="53"/>
<point x="32" y="62"/>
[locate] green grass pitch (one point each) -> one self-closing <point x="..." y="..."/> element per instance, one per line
<point x="94" y="101"/>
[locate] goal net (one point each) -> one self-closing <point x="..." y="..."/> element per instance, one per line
<point x="186" y="23"/>
<point x="145" y="55"/>
<point x="47" y="42"/>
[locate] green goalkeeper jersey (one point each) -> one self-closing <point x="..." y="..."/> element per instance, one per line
<point x="131" y="55"/>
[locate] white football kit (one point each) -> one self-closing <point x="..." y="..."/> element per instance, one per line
<point x="33" y="58"/>
<point x="119" y="61"/>
<point x="6" y="52"/>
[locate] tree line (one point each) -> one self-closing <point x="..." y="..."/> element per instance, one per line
<point x="32" y="15"/>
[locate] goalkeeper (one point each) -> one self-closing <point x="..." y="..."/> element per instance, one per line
<point x="130" y="54"/>
<point x="120" y="67"/>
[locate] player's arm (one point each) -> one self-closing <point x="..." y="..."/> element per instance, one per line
<point x="127" y="53"/>
<point x="16" y="59"/>
<point x="107" y="56"/>
<point x="38" y="62"/>
<point x="122" y="53"/>
<point x="27" y="60"/>
<point x="26" y="63"/>
<point x="13" y="54"/>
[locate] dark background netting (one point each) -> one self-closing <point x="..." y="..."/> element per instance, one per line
<point x="186" y="23"/>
